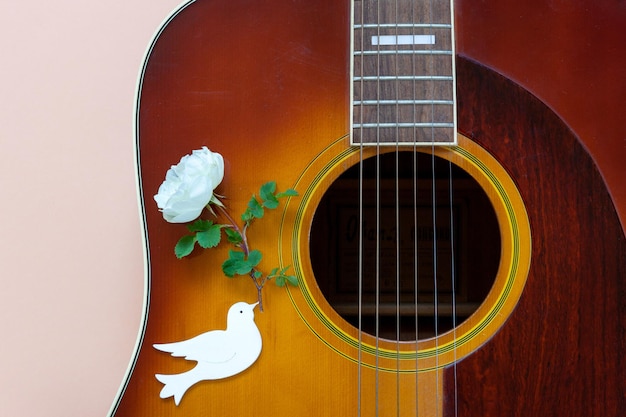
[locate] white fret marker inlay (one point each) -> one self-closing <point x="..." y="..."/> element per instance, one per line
<point x="403" y="40"/>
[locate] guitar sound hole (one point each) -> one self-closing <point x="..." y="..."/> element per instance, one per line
<point x="457" y="242"/>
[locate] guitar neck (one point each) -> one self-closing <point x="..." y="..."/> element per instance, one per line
<point x="403" y="78"/>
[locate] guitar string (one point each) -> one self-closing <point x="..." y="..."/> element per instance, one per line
<point x="377" y="314"/>
<point x="397" y="221"/>
<point x="360" y="266"/>
<point x="453" y="277"/>
<point x="435" y="272"/>
<point x="452" y="241"/>
<point x="416" y="272"/>
<point x="453" y="284"/>
<point x="415" y="218"/>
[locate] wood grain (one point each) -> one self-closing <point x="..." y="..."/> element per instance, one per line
<point x="568" y="53"/>
<point x="561" y="353"/>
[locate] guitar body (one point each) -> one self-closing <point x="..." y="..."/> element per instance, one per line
<point x="266" y="84"/>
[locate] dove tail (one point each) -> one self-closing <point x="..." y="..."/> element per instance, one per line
<point x="175" y="385"/>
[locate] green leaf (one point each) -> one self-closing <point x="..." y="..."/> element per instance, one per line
<point x="258" y="274"/>
<point x="292" y="279"/>
<point x="247" y="216"/>
<point x="211" y="237"/>
<point x="243" y="268"/>
<point x="199" y="226"/>
<point x="287" y="193"/>
<point x="256" y="209"/>
<point x="254" y="258"/>
<point x="229" y="268"/>
<point x="271" y="204"/>
<point x="267" y="190"/>
<point x="280" y="280"/>
<point x="267" y="195"/>
<point x="236" y="255"/>
<point x="237" y="264"/>
<point x="234" y="263"/>
<point x="185" y="246"/>
<point x="234" y="236"/>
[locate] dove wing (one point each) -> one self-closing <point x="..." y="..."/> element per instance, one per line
<point x="213" y="346"/>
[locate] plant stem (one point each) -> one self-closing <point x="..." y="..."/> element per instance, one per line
<point x="246" y="250"/>
<point x="260" y="297"/>
<point x="242" y="233"/>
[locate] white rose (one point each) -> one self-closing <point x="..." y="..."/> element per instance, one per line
<point x="188" y="186"/>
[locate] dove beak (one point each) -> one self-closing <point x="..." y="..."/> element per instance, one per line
<point x="254" y="305"/>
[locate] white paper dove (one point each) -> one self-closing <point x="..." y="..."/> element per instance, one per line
<point x="218" y="353"/>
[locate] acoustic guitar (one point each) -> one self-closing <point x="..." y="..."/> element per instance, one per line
<point x="456" y="250"/>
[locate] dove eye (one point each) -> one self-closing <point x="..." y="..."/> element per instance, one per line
<point x="240" y="311"/>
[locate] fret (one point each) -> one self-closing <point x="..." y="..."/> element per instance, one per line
<point x="408" y="90"/>
<point x="399" y="65"/>
<point x="402" y="12"/>
<point x="404" y="78"/>
<point x="390" y="87"/>
<point x="412" y="135"/>
<point x="403" y="52"/>
<point x="403" y="26"/>
<point x="401" y="125"/>
<point x="400" y="102"/>
<point x="403" y="114"/>
<point x="403" y="72"/>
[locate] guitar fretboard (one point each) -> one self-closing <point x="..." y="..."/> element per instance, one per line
<point x="403" y="72"/>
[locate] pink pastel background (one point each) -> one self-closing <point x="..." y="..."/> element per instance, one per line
<point x="71" y="263"/>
